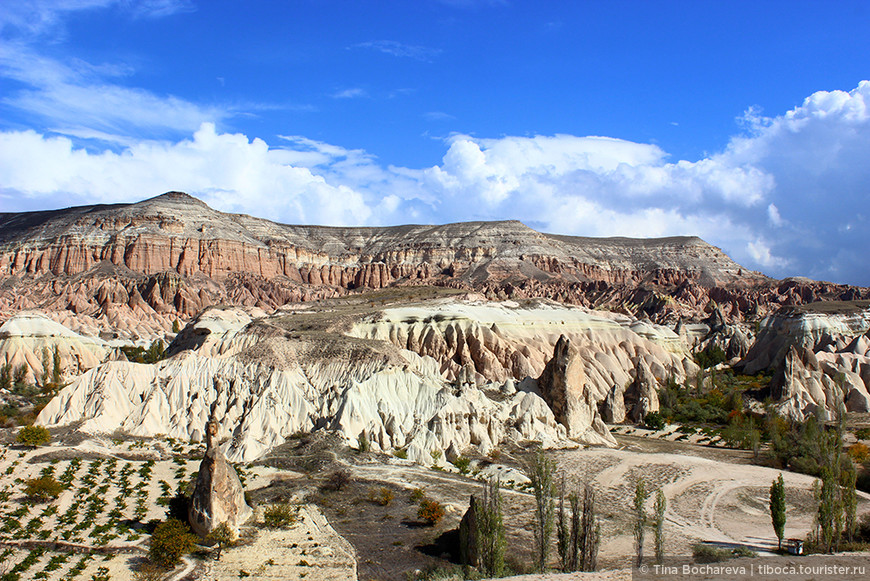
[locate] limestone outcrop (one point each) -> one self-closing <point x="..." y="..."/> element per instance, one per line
<point x="218" y="496"/>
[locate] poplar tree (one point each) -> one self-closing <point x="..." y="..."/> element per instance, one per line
<point x="777" y="509"/>
<point x="640" y="518"/>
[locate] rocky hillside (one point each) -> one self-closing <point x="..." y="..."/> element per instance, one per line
<point x="447" y="376"/>
<point x="132" y="269"/>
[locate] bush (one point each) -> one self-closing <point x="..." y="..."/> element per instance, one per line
<point x="382" y="496"/>
<point x="170" y="541"/>
<point x="654" y="421"/>
<point x="223" y="536"/>
<point x="280" y="516"/>
<point x="859" y="453"/>
<point x="862" y="433"/>
<point x="462" y="463"/>
<point x="712" y="355"/>
<point x="33" y="436"/>
<point x="417" y="495"/>
<point x="42" y="489"/>
<point x="709" y="554"/>
<point x="742" y="551"/>
<point x="363" y="444"/>
<point x="430" y="511"/>
<point x="338" y="479"/>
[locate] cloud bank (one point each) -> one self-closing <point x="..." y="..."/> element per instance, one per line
<point x="789" y="197"/>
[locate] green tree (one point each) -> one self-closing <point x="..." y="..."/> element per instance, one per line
<point x="777" y="509"/>
<point x="6" y="376"/>
<point x="640" y="518"/>
<point x="223" y="536"/>
<point x="586" y="530"/>
<point x="42" y="489"/>
<point x="33" y="436"/>
<point x="659" y="525"/>
<point x="541" y="471"/>
<point x="20" y="378"/>
<point x="176" y="326"/>
<point x="46" y="367"/>
<point x="564" y="544"/>
<point x="850" y="501"/>
<point x="56" y="370"/>
<point x="490" y="536"/>
<point x="170" y="541"/>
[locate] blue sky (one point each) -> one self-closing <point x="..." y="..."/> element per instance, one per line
<point x="745" y="123"/>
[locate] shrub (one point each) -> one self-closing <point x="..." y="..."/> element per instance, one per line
<point x="338" y="479"/>
<point x="712" y="355"/>
<point x="42" y="489"/>
<point x="430" y="511"/>
<point x="401" y="453"/>
<point x="363" y="444"/>
<point x="148" y="571"/>
<point x="170" y="541"/>
<point x="654" y="421"/>
<point x="417" y="495"/>
<point x="223" y="536"/>
<point x="382" y="496"/>
<point x="33" y="436"/>
<point x="859" y="453"/>
<point x="862" y="433"/>
<point x="709" y="554"/>
<point x="280" y="516"/>
<point x="742" y="551"/>
<point x="462" y="463"/>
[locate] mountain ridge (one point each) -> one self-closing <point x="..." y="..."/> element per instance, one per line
<point x="138" y="267"/>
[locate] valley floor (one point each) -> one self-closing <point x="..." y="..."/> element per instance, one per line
<point x="93" y="530"/>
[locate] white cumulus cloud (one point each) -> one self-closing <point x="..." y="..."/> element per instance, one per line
<point x="787" y="197"/>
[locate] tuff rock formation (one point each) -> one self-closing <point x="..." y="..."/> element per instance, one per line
<point x="468" y="550"/>
<point x="29" y="338"/>
<point x="285" y="373"/>
<point x="400" y="376"/>
<point x="642" y="395"/>
<point x="821" y="358"/>
<point x="218" y="496"/>
<point x="563" y="387"/>
<point x="131" y="270"/>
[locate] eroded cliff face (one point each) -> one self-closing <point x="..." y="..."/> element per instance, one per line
<point x="820" y="356"/>
<point x="263" y="378"/>
<point x="132" y="269"/>
<point x="441" y="375"/>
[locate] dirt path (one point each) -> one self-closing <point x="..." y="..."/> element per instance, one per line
<point x="707" y="500"/>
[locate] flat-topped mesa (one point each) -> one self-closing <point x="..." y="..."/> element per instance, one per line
<point x="175" y="231"/>
<point x="145" y="264"/>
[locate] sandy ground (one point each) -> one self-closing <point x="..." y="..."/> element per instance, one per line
<point x="310" y="550"/>
<point x="111" y="552"/>
<point x="712" y="494"/>
<point x="707" y="500"/>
